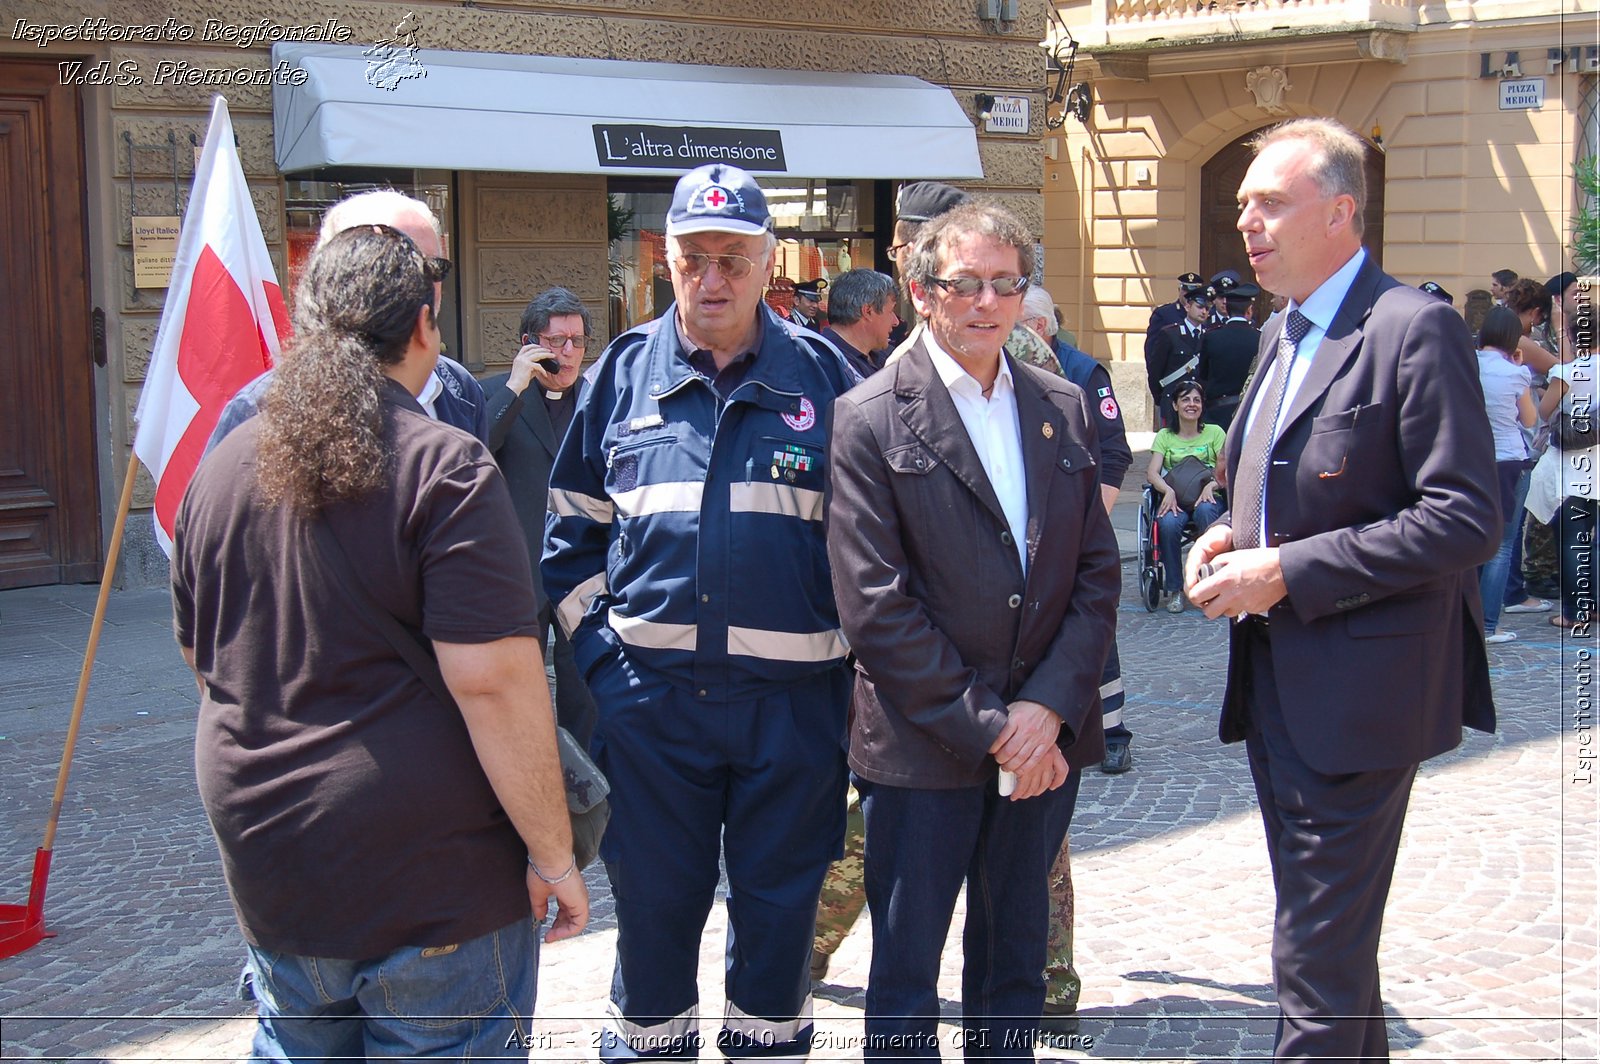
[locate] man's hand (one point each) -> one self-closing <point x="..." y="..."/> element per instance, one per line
<point x="572" y="904"/>
<point x="525" y="368"/>
<point x="1027" y="738"/>
<point x="1245" y="581"/>
<point x="1214" y="541"/>
<point x="1050" y="773"/>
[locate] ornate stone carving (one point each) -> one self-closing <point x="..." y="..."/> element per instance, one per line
<point x="138" y="337"/>
<point x="515" y="275"/>
<point x="254" y="136"/>
<point x="1387" y="47"/>
<point x="1269" y="86"/>
<point x="544" y="215"/>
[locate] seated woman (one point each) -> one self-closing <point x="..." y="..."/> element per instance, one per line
<point x="1169" y="448"/>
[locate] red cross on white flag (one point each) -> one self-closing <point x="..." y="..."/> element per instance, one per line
<point x="223" y="325"/>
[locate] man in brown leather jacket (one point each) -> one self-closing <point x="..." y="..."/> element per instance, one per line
<point x="977" y="577"/>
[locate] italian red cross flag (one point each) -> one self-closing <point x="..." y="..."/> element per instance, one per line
<point x="223" y="326"/>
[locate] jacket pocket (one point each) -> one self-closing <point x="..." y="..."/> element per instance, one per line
<point x="913" y="459"/>
<point x="1401" y="615"/>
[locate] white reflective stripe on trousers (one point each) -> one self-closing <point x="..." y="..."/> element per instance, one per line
<point x="645" y="1039"/>
<point x="759" y="1032"/>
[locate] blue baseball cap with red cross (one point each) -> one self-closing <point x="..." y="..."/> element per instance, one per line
<point x="718" y="199"/>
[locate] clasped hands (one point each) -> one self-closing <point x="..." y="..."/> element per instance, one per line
<point x="1027" y="748"/>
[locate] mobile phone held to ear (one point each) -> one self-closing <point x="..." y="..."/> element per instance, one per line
<point x="549" y="365"/>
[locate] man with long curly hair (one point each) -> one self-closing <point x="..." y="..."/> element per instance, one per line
<point x="383" y="845"/>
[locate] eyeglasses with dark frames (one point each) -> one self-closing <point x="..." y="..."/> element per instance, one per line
<point x="579" y="341"/>
<point x="695" y="263"/>
<point x="970" y="287"/>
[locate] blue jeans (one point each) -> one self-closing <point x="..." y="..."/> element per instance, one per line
<point x="921" y="846"/>
<point x="472" y="1000"/>
<point x="1169" y="538"/>
<point x="1492" y="577"/>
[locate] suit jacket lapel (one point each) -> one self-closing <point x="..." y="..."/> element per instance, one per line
<point x="1341" y="343"/>
<point x="537" y="417"/>
<point x="1043" y="428"/>
<point x="929" y="412"/>
<point x="1266" y="366"/>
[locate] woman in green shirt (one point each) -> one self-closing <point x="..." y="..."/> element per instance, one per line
<point x="1166" y="451"/>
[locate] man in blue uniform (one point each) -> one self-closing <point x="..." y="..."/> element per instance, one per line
<point x="686" y="556"/>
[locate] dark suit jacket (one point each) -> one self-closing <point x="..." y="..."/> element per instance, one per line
<point x="1164" y="315"/>
<point x="1382" y="500"/>
<point x="524" y="444"/>
<point x="1226" y="355"/>
<point x="932" y="597"/>
<point x="1174" y="347"/>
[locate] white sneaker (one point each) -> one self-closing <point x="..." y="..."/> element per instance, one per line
<point x="1530" y="606"/>
<point x="1501" y="637"/>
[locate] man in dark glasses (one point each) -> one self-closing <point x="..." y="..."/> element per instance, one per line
<point x="977" y="578"/>
<point x="452" y="395"/>
<point x="686" y="558"/>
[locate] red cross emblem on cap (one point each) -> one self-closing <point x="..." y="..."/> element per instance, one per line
<point x="716" y="198"/>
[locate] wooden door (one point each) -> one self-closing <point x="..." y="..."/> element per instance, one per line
<point x="1221" y="245"/>
<point x="49" y="496"/>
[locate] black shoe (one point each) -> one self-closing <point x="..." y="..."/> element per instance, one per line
<point x="1059" y="1019"/>
<point x="1119" y="758"/>
<point x="819" y="965"/>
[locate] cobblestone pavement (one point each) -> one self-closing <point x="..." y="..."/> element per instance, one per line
<point x="1489" y="951"/>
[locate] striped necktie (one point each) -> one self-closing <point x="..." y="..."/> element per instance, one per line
<point x="1249" y="491"/>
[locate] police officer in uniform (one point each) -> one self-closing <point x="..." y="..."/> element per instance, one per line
<point x="807" y="311"/>
<point x="1228" y="352"/>
<point x="685" y="552"/>
<point x="1177" y="352"/>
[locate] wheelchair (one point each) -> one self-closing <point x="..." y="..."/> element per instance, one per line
<point x="1152" y="566"/>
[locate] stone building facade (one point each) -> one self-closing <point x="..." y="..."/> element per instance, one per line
<point x="87" y="147"/>
<point x="1476" y="111"/>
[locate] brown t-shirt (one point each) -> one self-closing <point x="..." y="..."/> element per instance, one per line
<point x="350" y="808"/>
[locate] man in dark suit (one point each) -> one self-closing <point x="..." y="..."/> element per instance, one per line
<point x="1177" y="353"/>
<point x="1361" y="478"/>
<point x="529" y="411"/>
<point x="1228" y="352"/>
<point x="976" y="575"/>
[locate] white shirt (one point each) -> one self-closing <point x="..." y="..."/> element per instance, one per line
<point x="430" y="392"/>
<point x="1503" y="384"/>
<point x="1319" y="308"/>
<point x="996" y="435"/>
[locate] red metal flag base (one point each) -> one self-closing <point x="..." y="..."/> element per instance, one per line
<point x="22" y="926"/>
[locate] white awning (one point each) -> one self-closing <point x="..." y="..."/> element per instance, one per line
<point x="490" y="111"/>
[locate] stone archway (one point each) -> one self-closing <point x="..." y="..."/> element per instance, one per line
<point x="1220" y="245"/>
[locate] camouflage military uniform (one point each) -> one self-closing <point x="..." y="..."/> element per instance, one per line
<point x="844" y="892"/>
<point x="1061" y="983"/>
